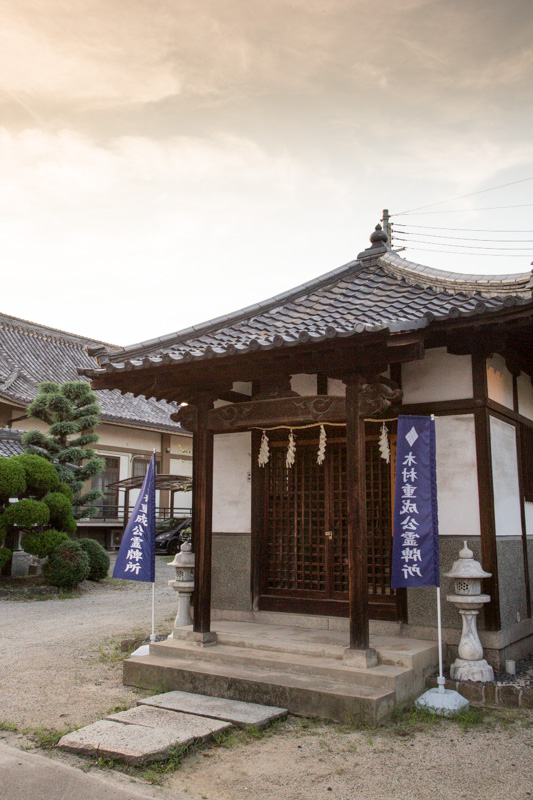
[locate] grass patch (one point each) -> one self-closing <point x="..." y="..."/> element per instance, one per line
<point x="156" y="771"/>
<point x="46" y="738"/>
<point x="6" y="725"/>
<point x="111" y="653"/>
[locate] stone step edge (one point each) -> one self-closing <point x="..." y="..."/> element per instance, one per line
<point x="383" y="673"/>
<point x="386" y="655"/>
<point x="321" y="685"/>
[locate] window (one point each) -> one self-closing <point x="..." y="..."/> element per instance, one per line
<point x="140" y="467"/>
<point x="111" y="474"/>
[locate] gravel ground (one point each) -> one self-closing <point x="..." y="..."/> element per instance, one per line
<point x="60" y="669"/>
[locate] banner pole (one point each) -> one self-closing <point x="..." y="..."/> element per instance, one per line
<point x="152" y="635"/>
<point x="440" y="680"/>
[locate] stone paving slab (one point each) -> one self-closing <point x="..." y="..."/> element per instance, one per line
<point x="133" y="743"/>
<point x="196" y="726"/>
<point x="239" y="713"/>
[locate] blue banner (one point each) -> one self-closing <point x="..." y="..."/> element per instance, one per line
<point x="136" y="557"/>
<point x="415" y="545"/>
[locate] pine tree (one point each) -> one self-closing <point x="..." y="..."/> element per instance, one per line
<point x="72" y="413"/>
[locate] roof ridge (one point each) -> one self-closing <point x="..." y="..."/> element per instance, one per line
<point x="519" y="283"/>
<point x="36" y="328"/>
<point x="241" y="314"/>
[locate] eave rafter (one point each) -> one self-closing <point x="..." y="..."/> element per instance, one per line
<point x="179" y="382"/>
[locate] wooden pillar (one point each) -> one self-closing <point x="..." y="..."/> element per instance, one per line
<point x="126" y="506"/>
<point x="489" y="554"/>
<point x="202" y="512"/>
<point x="357" y="524"/>
<point x="164" y="496"/>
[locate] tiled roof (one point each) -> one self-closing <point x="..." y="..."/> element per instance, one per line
<point x="378" y="291"/>
<point x="31" y="353"/>
<point x="10" y="443"/>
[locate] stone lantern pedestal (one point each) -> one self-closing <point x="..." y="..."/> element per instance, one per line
<point x="183" y="584"/>
<point x="467" y="573"/>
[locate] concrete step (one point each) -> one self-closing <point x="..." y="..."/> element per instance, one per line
<point x="384" y="676"/>
<point x="393" y="650"/>
<point x="303" y="694"/>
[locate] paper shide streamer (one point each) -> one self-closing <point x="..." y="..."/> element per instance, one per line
<point x="291" y="451"/>
<point x="264" y="451"/>
<point x="384" y="447"/>
<point x="321" y="457"/>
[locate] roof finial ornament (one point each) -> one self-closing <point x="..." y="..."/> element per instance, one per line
<point x="379" y="243"/>
<point x="378" y="237"/>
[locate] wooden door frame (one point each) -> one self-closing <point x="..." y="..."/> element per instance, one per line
<point x="396" y="610"/>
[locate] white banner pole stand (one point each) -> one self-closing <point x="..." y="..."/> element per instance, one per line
<point x="441" y="701"/>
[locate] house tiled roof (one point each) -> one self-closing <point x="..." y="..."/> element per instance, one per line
<point x="31" y="353"/>
<point x="10" y="443"/>
<point x="378" y="291"/>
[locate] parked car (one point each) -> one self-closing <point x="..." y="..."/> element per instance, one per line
<point x="170" y="533"/>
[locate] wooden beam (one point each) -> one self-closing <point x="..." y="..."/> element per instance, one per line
<point x="277" y="411"/>
<point x="202" y="513"/>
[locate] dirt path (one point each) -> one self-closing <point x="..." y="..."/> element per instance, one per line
<point x="57" y="657"/>
<point x="59" y="669"/>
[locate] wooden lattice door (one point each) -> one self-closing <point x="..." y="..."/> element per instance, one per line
<point x="304" y="548"/>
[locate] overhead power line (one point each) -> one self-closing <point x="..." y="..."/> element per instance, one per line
<point x="469" y="247"/>
<point x="439" y="228"/>
<point x="463" y="238"/>
<point x="462" y="197"/>
<point x="464" y="210"/>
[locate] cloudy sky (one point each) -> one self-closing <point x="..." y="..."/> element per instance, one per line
<point x="166" y="161"/>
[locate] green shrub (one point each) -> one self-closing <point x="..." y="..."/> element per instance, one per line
<point x="12" y="478"/>
<point x="5" y="555"/>
<point x="67" y="566"/>
<point x="98" y="559"/>
<point x="42" y="543"/>
<point x="71" y="526"/>
<point x="41" y="475"/>
<point x="26" y="513"/>
<point x="60" y="509"/>
<point x="65" y="489"/>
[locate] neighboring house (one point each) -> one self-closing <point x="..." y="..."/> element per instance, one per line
<point x="131" y="427"/>
<point x="10" y="443"/>
<point x="285" y="540"/>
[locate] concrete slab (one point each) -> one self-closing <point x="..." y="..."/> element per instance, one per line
<point x="28" y="776"/>
<point x="133" y="744"/>
<point x="183" y="725"/>
<point x="242" y="714"/>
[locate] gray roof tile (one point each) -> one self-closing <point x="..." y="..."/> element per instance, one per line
<point x="380" y="290"/>
<point x="32" y="353"/>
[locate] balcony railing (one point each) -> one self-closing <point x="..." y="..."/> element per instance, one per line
<point x="114" y="514"/>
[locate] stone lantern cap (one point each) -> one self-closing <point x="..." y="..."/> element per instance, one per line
<point x="185" y="558"/>
<point x="466" y="566"/>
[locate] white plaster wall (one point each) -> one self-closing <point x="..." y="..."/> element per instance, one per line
<point x="241" y="386"/>
<point x="336" y="388"/>
<point x="529" y="518"/>
<point x="499" y="381"/>
<point x="457" y="486"/>
<point x="505" y="478"/>
<point x="232" y="496"/>
<point x="439" y="376"/>
<point x="304" y="384"/>
<point x="525" y="395"/>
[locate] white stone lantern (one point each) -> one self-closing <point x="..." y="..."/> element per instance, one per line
<point x="467" y="573"/>
<point x="183" y="584"/>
